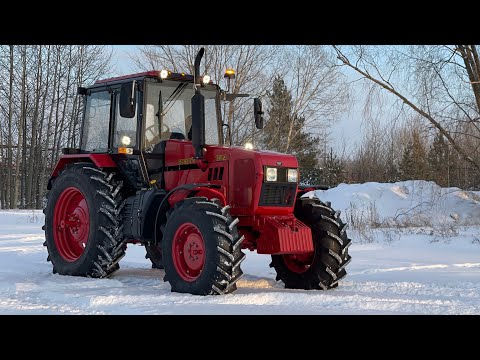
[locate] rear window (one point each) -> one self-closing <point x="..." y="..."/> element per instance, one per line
<point x="97" y="120"/>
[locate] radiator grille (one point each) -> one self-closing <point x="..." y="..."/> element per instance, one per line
<point x="277" y="194"/>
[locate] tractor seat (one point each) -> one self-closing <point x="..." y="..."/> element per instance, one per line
<point x="177" y="136"/>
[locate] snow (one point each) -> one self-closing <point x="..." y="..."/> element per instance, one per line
<point x="412" y="203"/>
<point x="407" y="270"/>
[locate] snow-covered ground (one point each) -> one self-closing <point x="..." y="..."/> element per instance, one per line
<point x="414" y="270"/>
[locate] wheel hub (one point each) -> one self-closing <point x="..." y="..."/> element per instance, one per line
<point x="188" y="252"/>
<point x="193" y="252"/>
<point x="72" y="223"/>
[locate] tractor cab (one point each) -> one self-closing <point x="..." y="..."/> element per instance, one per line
<point x="139" y="111"/>
<point x="136" y="114"/>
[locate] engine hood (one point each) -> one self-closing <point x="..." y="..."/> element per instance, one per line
<point x="246" y="189"/>
<point x="263" y="157"/>
<point x="277" y="159"/>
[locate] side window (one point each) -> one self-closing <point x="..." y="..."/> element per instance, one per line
<point x="211" y="125"/>
<point x="97" y="119"/>
<point x="125" y="133"/>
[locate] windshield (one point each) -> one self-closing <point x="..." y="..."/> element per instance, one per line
<point x="168" y="113"/>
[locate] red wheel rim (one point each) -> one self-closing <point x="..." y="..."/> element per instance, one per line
<point x="71" y="224"/>
<point x="298" y="263"/>
<point x="188" y="252"/>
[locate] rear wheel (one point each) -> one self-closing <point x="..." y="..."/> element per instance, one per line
<point x="201" y="248"/>
<point x="325" y="267"/>
<point x="83" y="223"/>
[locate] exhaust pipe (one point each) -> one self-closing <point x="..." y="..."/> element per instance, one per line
<point x="198" y="111"/>
<point x="196" y="67"/>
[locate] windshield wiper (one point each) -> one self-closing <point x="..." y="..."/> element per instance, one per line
<point x="172" y="98"/>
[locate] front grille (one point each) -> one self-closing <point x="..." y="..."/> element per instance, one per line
<point x="277" y="194"/>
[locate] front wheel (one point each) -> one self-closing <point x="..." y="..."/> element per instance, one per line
<point x="201" y="248"/>
<point x="325" y="267"/>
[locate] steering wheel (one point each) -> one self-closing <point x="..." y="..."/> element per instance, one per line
<point x="156" y="138"/>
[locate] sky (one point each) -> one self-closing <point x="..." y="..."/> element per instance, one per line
<point x="122" y="58"/>
<point x="345" y="132"/>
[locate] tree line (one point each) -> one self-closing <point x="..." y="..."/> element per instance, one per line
<point x="430" y="131"/>
<point x="40" y="112"/>
<point x="436" y="89"/>
<point x="408" y="152"/>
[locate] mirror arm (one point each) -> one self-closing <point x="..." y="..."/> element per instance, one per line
<point x="133" y="93"/>
<point x="229" y="132"/>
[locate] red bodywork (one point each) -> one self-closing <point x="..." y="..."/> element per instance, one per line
<point x="100" y="160"/>
<point x="239" y="173"/>
<point x="268" y="229"/>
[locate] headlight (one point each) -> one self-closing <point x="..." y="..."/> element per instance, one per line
<point x="249" y="146"/>
<point x="163" y="74"/>
<point x="126" y="140"/>
<point x="292" y="175"/>
<point x="206" y="79"/>
<point x="271" y="174"/>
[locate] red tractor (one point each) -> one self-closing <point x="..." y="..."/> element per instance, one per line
<point x="153" y="169"/>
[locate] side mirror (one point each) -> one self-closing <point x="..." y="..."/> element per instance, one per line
<point x="81" y="91"/>
<point x="258" y="112"/>
<point x="128" y="100"/>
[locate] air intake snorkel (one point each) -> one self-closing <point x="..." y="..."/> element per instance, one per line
<point x="198" y="110"/>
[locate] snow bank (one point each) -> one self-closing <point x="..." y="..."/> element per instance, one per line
<point x="406" y="203"/>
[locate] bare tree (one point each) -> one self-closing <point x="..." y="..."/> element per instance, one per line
<point x="39" y="112"/>
<point x="319" y="90"/>
<point x="431" y="81"/>
<point x="254" y="66"/>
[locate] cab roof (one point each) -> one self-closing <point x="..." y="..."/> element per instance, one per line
<point x="147" y="74"/>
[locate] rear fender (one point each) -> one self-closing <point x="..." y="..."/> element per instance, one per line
<point x="100" y="160"/>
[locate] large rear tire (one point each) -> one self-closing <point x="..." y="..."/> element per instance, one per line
<point x="325" y="267"/>
<point x="201" y="248"/>
<point x="83" y="222"/>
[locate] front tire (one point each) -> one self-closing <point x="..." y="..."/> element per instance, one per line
<point x="325" y="267"/>
<point x="154" y="253"/>
<point x="201" y="248"/>
<point x="83" y="222"/>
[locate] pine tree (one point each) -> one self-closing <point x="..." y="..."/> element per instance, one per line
<point x="419" y="155"/>
<point x="333" y="170"/>
<point x="406" y="164"/>
<point x="413" y="165"/>
<point x="391" y="171"/>
<point x="438" y="161"/>
<point x="279" y="116"/>
<point x="282" y="120"/>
